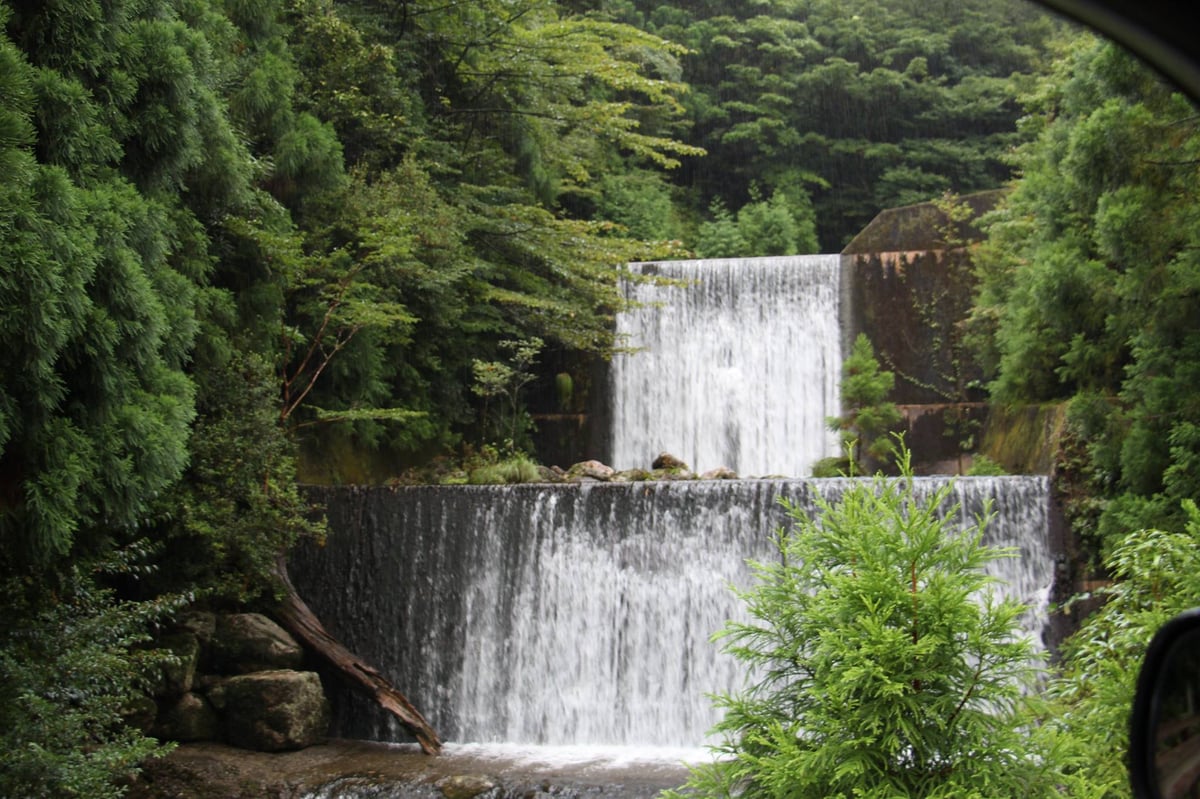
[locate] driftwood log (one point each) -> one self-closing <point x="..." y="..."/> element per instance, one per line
<point x="296" y="616"/>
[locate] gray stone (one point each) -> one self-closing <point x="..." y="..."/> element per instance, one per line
<point x="720" y="473"/>
<point x="249" y="642"/>
<point x="189" y="718"/>
<point x="272" y="711"/>
<point x="668" y="462"/>
<point x="179" y="669"/>
<point x="200" y="623"/>
<point x="590" y="470"/>
<point x="464" y="786"/>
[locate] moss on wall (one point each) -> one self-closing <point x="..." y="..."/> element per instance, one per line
<point x="1024" y="439"/>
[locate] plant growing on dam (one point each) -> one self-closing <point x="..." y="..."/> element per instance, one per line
<point x="869" y="419"/>
<point x="881" y="664"/>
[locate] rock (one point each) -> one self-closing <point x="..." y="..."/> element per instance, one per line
<point x="672" y="474"/>
<point x="464" y="786"/>
<point x="189" y="718"/>
<point x="668" y="462"/>
<point x="551" y="474"/>
<point x="248" y="642"/>
<point x="179" y="670"/>
<point x="273" y="711"/>
<point x="593" y="470"/>
<point x="719" y="473"/>
<point x="140" y="713"/>
<point x="199" y="623"/>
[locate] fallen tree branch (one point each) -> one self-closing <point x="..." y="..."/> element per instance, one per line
<point x="296" y="616"/>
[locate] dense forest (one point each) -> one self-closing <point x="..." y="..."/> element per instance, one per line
<point x="233" y="228"/>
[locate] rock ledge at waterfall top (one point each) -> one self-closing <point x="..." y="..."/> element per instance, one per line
<point x="664" y="467"/>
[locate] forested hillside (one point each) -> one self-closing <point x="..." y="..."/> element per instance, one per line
<point x="845" y="108"/>
<point x="230" y="227"/>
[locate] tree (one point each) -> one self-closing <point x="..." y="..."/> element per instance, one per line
<point x="864" y="105"/>
<point x="475" y="163"/>
<point x="879" y="662"/>
<point x="99" y="266"/>
<point x="721" y="237"/>
<point x="504" y="381"/>
<point x="777" y="225"/>
<point x="1088" y="284"/>
<point x="868" y="419"/>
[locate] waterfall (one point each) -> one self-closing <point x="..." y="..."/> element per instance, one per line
<point x="580" y="614"/>
<point x="739" y="367"/>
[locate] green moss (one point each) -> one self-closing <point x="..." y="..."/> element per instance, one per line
<point x="1024" y="439"/>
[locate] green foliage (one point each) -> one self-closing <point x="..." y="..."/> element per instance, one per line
<point x="880" y="663"/>
<point x="868" y="419"/>
<point x="865" y="105"/>
<point x="1155" y="577"/>
<point x="69" y="675"/>
<point x="774" y="226"/>
<point x="983" y="466"/>
<point x="99" y="263"/>
<point x="503" y="381"/>
<point x="512" y="470"/>
<point x="238" y="507"/>
<point x="641" y="201"/>
<point x="1088" y="283"/>
<point x="721" y="238"/>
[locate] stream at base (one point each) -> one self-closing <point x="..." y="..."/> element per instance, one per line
<point x="510" y="771"/>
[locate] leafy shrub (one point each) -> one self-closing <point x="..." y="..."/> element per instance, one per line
<point x="513" y="470"/>
<point x="880" y="663"/>
<point x="983" y="466"/>
<point x="69" y="674"/>
<point x="1155" y="577"/>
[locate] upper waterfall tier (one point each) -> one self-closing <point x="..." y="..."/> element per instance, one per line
<point x="739" y="368"/>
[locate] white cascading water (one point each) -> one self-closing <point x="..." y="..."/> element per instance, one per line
<point x="738" y="368"/>
<point x="582" y="615"/>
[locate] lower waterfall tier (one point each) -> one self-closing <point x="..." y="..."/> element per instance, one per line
<point x="582" y="614"/>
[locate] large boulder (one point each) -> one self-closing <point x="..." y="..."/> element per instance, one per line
<point x="273" y="711"/>
<point x="249" y="642"/>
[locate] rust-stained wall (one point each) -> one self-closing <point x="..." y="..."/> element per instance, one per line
<point x="909" y="284"/>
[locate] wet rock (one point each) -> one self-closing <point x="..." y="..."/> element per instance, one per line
<point x="272" y="711"/>
<point x="719" y="473"/>
<point x="551" y="474"/>
<point x="200" y="623"/>
<point x="249" y="642"/>
<point x="140" y="713"/>
<point x="668" y="462"/>
<point x="590" y="470"/>
<point x="464" y="786"/>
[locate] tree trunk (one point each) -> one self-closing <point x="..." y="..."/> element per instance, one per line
<point x="296" y="616"/>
